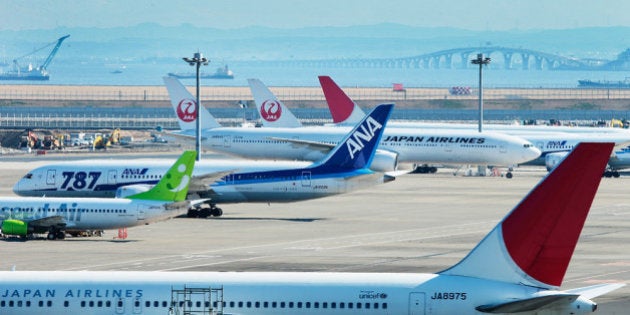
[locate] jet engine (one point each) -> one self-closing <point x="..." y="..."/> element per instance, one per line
<point x="14" y="227"/>
<point x="384" y="161"/>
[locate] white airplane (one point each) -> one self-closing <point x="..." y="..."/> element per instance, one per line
<point x="518" y="268"/>
<point x="548" y="139"/>
<point x="344" y="169"/>
<point x="273" y="113"/>
<point x="313" y="143"/>
<point x="25" y="216"/>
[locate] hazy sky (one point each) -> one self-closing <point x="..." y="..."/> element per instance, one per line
<point x="467" y="14"/>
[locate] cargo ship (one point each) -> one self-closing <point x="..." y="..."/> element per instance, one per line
<point x="625" y="84"/>
<point x="221" y="73"/>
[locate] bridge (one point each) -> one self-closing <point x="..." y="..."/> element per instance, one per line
<point x="459" y="58"/>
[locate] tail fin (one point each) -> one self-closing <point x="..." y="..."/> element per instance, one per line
<point x="357" y="148"/>
<point x="534" y="243"/>
<point x="344" y="111"/>
<point x="174" y="184"/>
<point x="271" y="110"/>
<point x="184" y="106"/>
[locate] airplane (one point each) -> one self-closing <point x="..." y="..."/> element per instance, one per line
<point x="344" y="169"/>
<point x="518" y="268"/>
<point x="619" y="160"/>
<point x="272" y="111"/>
<point x="404" y="145"/>
<point x="25" y="216"/>
<point x="548" y="139"/>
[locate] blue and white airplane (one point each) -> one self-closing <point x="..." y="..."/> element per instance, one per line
<point x="518" y="268"/>
<point x="405" y="145"/>
<point x="344" y="169"/>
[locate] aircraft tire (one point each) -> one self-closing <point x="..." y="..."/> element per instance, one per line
<point x="508" y="175"/>
<point x="204" y="213"/>
<point x="615" y="174"/>
<point x="51" y="236"/>
<point x="433" y="170"/>
<point x="61" y="235"/>
<point x="216" y="212"/>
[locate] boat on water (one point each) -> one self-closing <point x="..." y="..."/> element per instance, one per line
<point x="221" y="73"/>
<point x="29" y="72"/>
<point x="625" y="84"/>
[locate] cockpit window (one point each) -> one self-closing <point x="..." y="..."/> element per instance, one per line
<point x="28" y="176"/>
<point x="527" y="145"/>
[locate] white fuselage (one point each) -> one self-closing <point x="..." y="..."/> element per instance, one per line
<point x="101" y="178"/>
<point x="56" y="293"/>
<point x="86" y="214"/>
<point x="411" y="145"/>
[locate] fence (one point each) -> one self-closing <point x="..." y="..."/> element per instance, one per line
<point x="158" y="93"/>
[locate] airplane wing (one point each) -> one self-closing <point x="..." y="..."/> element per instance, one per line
<point x="528" y="305"/>
<point x="183" y="135"/>
<point x="45" y="223"/>
<point x="313" y="145"/>
<point x="200" y="183"/>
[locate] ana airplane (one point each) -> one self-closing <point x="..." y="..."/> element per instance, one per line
<point x="313" y="143"/>
<point x="344" y="169"/>
<point x="548" y="139"/>
<point x="517" y="268"/>
<point x="24" y="216"/>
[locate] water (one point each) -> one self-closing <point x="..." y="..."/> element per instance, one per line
<point x="151" y="73"/>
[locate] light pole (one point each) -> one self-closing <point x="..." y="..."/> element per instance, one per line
<point x="480" y="61"/>
<point x="198" y="59"/>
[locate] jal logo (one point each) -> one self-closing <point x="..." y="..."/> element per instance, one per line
<point x="270" y="110"/>
<point x="362" y="135"/>
<point x="186" y="110"/>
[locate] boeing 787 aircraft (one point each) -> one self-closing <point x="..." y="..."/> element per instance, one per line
<point x="25" y="216"/>
<point x="408" y="145"/>
<point x="344" y="169"/>
<point x="518" y="268"/>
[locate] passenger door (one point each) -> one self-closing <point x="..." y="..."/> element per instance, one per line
<point x="416" y="303"/>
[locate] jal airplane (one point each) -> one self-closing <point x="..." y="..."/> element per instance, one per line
<point x="25" y="216"/>
<point x="344" y="169"/>
<point x="272" y="111"/>
<point x="518" y="268"/>
<point x="548" y="139"/>
<point x="313" y="143"/>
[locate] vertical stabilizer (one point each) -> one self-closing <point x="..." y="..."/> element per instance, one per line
<point x="174" y="184"/>
<point x="272" y="111"/>
<point x="344" y="111"/>
<point x="534" y="243"/>
<point x="357" y="148"/>
<point x="184" y="106"/>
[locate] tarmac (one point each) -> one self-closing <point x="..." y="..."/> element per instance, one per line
<point x="415" y="224"/>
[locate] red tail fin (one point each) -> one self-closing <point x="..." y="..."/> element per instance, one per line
<point x="534" y="243"/>
<point x="340" y="105"/>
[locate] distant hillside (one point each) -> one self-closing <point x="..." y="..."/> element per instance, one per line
<point x="152" y="41"/>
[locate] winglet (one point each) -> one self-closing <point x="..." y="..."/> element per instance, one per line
<point x="357" y="148"/>
<point x="174" y="184"/>
<point x="534" y="243"/>
<point x="272" y="111"/>
<point x="184" y="106"/>
<point x="344" y="111"/>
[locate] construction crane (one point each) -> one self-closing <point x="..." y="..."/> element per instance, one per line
<point x="30" y="73"/>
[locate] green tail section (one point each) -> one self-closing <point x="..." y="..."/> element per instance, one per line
<point x="174" y="184"/>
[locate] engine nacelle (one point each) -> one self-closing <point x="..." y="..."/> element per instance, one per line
<point x="14" y="227"/>
<point x="553" y="159"/>
<point x="580" y="306"/>
<point x="384" y="161"/>
<point x="125" y="191"/>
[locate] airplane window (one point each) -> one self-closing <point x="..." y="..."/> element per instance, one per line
<point x="66" y="303"/>
<point x="384" y="306"/>
<point x="147" y="304"/>
<point x="82" y="303"/>
<point x="19" y="303"/>
<point x="91" y="303"/>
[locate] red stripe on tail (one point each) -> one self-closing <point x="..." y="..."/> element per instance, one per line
<point x="541" y="233"/>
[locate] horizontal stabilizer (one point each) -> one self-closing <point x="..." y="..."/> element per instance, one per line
<point x="596" y="290"/>
<point x="528" y="305"/>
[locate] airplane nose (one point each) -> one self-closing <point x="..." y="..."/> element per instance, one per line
<point x="533" y="153"/>
<point x="16" y="187"/>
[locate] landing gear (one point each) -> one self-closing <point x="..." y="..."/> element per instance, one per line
<point x="611" y="173"/>
<point x="425" y="169"/>
<point x="55" y="234"/>
<point x="204" y="211"/>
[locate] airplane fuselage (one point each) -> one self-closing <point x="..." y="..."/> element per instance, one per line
<point x="92" y="178"/>
<point x="253" y="293"/>
<point x="411" y="145"/>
